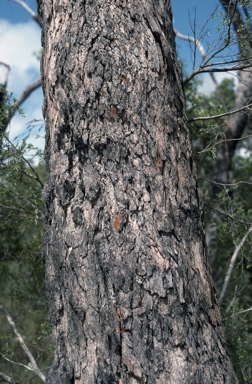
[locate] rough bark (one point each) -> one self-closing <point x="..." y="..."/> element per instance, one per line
<point x="3" y="113"/>
<point x="130" y="294"/>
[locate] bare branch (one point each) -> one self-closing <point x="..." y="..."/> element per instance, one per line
<point x="206" y="63"/>
<point x="244" y="311"/>
<point x="7" y="379"/>
<point x="14" y="362"/>
<point x="26" y="93"/>
<point x="203" y="54"/>
<point x="239" y="62"/>
<point x="234" y="139"/>
<point x="215" y="143"/>
<point x="227" y="215"/>
<point x="238" y="313"/>
<point x="33" y="86"/>
<point x="231" y="265"/>
<point x="34" y="365"/>
<point x="226" y="185"/>
<point x="221" y="114"/>
<point x="227" y="41"/>
<point x="193" y="40"/>
<point x="29" y="10"/>
<point x="211" y="68"/>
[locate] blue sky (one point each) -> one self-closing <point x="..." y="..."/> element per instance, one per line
<point x="10" y="10"/>
<point x="20" y="39"/>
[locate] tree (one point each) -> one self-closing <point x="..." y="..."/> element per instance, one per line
<point x="230" y="245"/>
<point x="235" y="34"/>
<point x="240" y="17"/>
<point x="130" y="293"/>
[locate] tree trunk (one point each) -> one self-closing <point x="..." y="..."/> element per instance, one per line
<point x="130" y="294"/>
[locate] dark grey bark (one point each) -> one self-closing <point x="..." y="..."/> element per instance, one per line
<point x="130" y="293"/>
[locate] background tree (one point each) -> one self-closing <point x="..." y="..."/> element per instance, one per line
<point x="130" y="293"/>
<point x="225" y="174"/>
<point x="230" y="245"/>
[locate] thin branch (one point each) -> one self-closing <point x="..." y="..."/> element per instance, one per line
<point x="210" y="68"/>
<point x="200" y="47"/>
<point x="34" y="365"/>
<point x="194" y="40"/>
<point x="25" y="94"/>
<point x="11" y="208"/>
<point x="213" y="142"/>
<point x="31" y="176"/>
<point x="238" y="313"/>
<point x="233" y="14"/>
<point x="221" y="114"/>
<point x="208" y="59"/>
<point x="14" y="362"/>
<point x="227" y="215"/>
<point x="33" y="86"/>
<point x="36" y="177"/>
<point x="221" y="141"/>
<point x="226" y="185"/>
<point x="7" y="379"/>
<point x="244" y="311"/>
<point x="231" y="265"/>
<point x="29" y="10"/>
<point x="238" y="61"/>
<point x="238" y="139"/>
<point x="227" y="43"/>
<point x="11" y="191"/>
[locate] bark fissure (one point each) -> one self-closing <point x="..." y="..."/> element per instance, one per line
<point x="127" y="277"/>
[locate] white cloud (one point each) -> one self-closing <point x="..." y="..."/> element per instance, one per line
<point x="20" y="125"/>
<point x="18" y="43"/>
<point x="29" y="127"/>
<point x="32" y="116"/>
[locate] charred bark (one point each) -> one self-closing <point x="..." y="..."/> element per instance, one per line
<point x="130" y="293"/>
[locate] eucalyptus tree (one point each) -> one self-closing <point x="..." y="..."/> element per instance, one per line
<point x="130" y="292"/>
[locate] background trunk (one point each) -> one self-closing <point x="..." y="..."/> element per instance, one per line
<point x="131" y="298"/>
<point x="236" y="123"/>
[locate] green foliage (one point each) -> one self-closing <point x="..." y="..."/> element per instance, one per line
<point x="228" y="216"/>
<point x="21" y="266"/>
<point x="6" y="108"/>
<point x="239" y="334"/>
